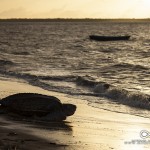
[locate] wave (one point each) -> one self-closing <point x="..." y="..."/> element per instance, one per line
<point x="113" y="93"/>
<point x="122" y="96"/>
<point x="125" y="97"/>
<point x="21" y="53"/>
<point x="6" y="62"/>
<point x="86" y="86"/>
<point x="130" y="66"/>
<point x="86" y="81"/>
<point x="68" y="78"/>
<point x="36" y="77"/>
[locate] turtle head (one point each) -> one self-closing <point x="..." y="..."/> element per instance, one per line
<point x="69" y="109"/>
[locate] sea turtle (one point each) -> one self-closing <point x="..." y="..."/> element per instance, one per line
<point x="33" y="104"/>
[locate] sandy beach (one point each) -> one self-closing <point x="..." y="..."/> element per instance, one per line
<point x="89" y="128"/>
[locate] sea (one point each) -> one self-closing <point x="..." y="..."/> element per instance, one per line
<point x="59" y="56"/>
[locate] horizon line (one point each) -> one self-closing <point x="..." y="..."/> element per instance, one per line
<point x="75" y="19"/>
<point x="78" y="18"/>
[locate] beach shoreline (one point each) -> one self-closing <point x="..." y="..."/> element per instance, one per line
<point x="88" y="128"/>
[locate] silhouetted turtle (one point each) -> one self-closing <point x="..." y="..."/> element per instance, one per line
<point x="32" y="104"/>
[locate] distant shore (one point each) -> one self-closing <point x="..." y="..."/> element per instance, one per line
<point x="71" y="20"/>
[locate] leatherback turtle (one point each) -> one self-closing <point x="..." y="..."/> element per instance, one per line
<point x="33" y="104"/>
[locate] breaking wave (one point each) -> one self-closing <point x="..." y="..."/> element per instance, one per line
<point x="117" y="94"/>
<point x="86" y="86"/>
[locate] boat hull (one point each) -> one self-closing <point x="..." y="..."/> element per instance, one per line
<point x="108" y="38"/>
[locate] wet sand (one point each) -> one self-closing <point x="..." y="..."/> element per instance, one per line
<point x="89" y="128"/>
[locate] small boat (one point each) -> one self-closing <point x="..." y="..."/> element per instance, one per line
<point x="108" y="38"/>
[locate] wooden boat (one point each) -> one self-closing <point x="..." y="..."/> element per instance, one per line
<point x="108" y="38"/>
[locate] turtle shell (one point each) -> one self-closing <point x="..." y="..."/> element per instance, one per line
<point x="30" y="104"/>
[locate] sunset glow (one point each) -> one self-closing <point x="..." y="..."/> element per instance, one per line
<point x="75" y="9"/>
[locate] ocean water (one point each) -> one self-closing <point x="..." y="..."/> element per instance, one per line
<point x="59" y="56"/>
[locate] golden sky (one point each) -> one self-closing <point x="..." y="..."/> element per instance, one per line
<point x="74" y="8"/>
